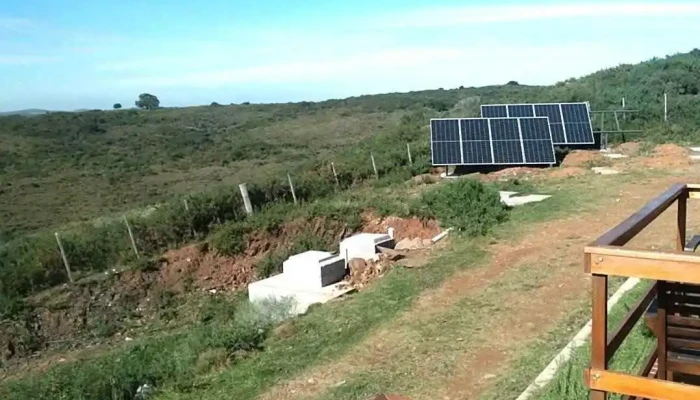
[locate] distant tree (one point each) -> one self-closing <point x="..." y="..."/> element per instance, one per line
<point x="513" y="83"/>
<point x="246" y="103"/>
<point x="117" y="106"/>
<point x="214" y="104"/>
<point x="147" y="101"/>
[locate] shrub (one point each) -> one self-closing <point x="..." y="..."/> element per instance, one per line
<point x="230" y="238"/>
<point x="467" y="205"/>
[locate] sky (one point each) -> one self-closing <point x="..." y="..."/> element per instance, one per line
<point x="74" y="54"/>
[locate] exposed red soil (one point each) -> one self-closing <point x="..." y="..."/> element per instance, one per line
<point x="509" y="173"/>
<point x="629" y="148"/>
<point x="403" y="227"/>
<point x="581" y="158"/>
<point x="667" y="156"/>
<point x="566" y="172"/>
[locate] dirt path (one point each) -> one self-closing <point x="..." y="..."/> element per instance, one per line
<point x="528" y="284"/>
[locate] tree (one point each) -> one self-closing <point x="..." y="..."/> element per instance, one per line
<point x="147" y="101"/>
<point x="513" y="83"/>
<point x="117" y="106"/>
<point x="215" y="104"/>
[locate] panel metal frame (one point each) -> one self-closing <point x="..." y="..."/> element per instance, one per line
<point x="561" y="112"/>
<point x="488" y="123"/>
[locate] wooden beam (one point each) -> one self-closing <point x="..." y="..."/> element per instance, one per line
<point x="629" y="228"/>
<point x="599" y="328"/>
<point x="646" y="388"/>
<point x="618" y="336"/>
<point x="684" y="366"/>
<point x="645" y="264"/>
<point x="675" y="344"/>
<point x="645" y="372"/>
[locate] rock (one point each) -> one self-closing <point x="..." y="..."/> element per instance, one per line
<point x="427" y="242"/>
<point x="390" y="254"/>
<point x="417" y="243"/>
<point x="404" y="244"/>
<point x="357" y="264"/>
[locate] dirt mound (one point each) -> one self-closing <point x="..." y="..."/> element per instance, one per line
<point x="582" y="158"/>
<point x="667" y="156"/>
<point x="403" y="227"/>
<point x="629" y="148"/>
<point x="509" y="173"/>
<point x="566" y="172"/>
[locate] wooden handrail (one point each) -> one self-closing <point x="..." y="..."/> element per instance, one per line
<point x="642" y="387"/>
<point x="644" y="264"/>
<point x="623" y="329"/>
<point x="629" y="228"/>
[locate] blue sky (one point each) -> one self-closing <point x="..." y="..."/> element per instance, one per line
<point x="70" y="54"/>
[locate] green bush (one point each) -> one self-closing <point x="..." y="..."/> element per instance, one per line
<point x="230" y="238"/>
<point x="467" y="205"/>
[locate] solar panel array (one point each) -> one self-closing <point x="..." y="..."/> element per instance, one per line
<point x="491" y="141"/>
<point x="570" y="123"/>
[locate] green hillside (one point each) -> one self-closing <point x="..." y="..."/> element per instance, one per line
<point x="64" y="167"/>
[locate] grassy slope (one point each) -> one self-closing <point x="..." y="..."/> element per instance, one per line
<point x="65" y="167"/>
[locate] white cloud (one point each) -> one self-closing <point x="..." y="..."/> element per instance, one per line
<point x="13" y="59"/>
<point x="451" y="16"/>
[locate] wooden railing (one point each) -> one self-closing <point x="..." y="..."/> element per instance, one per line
<point x="607" y="257"/>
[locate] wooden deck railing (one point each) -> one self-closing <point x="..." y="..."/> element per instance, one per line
<point x="607" y="257"/>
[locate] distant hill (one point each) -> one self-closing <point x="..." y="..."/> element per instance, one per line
<point x="27" y="112"/>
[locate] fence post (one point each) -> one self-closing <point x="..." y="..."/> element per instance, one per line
<point x="335" y="175"/>
<point x="408" y="149"/>
<point x="187" y="209"/>
<point x="291" y="186"/>
<point x="65" y="259"/>
<point x="246" y="198"/>
<point x="665" y="107"/>
<point x="374" y="165"/>
<point x="131" y="236"/>
<point x="624" y="114"/>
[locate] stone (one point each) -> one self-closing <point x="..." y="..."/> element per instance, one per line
<point x="404" y="244"/>
<point x="357" y="264"/>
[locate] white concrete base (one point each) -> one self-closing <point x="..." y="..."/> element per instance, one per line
<point x="314" y="269"/>
<point x="281" y="288"/>
<point x="695" y="149"/>
<point x="605" y="171"/>
<point x="695" y="157"/>
<point x="511" y="200"/>
<point x="614" y="155"/>
<point x="364" y="245"/>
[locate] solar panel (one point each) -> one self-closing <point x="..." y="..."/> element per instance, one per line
<point x="570" y="123"/>
<point x="491" y="141"/>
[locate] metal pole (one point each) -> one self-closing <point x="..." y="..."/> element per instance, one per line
<point x="131" y="236"/>
<point x="335" y="175"/>
<point x="65" y="259"/>
<point x="291" y="186"/>
<point x="374" y="165"/>
<point x="624" y="115"/>
<point x="408" y="149"/>
<point x="246" y="198"/>
<point x="665" y="107"/>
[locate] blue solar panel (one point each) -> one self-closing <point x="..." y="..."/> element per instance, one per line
<point x="494" y="111"/>
<point x="491" y="141"/>
<point x="570" y="123"/>
<point x="521" y="110"/>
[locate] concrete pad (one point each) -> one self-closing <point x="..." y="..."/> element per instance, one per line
<point x="695" y="149"/>
<point x="695" y="157"/>
<point x="364" y="245"/>
<point x="615" y="155"/>
<point x="511" y="200"/>
<point x="314" y="269"/>
<point x="605" y="171"/>
<point x="281" y="288"/>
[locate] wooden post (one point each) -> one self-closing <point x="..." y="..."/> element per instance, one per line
<point x="599" y="334"/>
<point x="65" y="259"/>
<point x="602" y="122"/>
<point x="408" y="149"/>
<point x="246" y="198"/>
<point x="291" y="186"/>
<point x="187" y="208"/>
<point x="335" y="175"/>
<point x="665" y="107"/>
<point x="374" y="165"/>
<point x="131" y="236"/>
<point x="681" y="222"/>
<point x="617" y="121"/>
<point x="662" y="322"/>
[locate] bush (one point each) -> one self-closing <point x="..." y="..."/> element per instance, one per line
<point x="230" y="239"/>
<point x="467" y="205"/>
